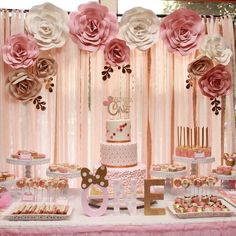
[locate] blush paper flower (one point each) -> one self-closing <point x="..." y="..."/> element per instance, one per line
<point x="200" y="66"/>
<point x="48" y="24"/>
<point x="116" y="52"/>
<point x="181" y="31"/>
<point x="139" y="27"/>
<point x="92" y="26"/>
<point x="215" y="48"/>
<point x="216" y="82"/>
<point x="23" y="86"/>
<point x="20" y="51"/>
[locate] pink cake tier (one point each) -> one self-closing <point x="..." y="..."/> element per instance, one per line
<point x="137" y="173"/>
<point x="119" y="154"/>
<point x="118" y="130"/>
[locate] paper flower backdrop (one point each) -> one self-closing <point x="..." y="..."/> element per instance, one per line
<point x="20" y="51"/>
<point x="92" y="26"/>
<point x="215" y="48"/>
<point x="139" y="27"/>
<point x="181" y="31"/>
<point x="216" y="82"/>
<point x="214" y="79"/>
<point x="116" y="54"/>
<point x="48" y="24"/>
<point x="22" y="85"/>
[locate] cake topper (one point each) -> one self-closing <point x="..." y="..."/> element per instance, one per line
<point x="117" y="105"/>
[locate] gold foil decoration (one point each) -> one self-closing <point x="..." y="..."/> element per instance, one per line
<point x="117" y="105"/>
<point x="150" y="197"/>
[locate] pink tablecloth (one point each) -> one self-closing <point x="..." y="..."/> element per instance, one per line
<point x="196" y="229"/>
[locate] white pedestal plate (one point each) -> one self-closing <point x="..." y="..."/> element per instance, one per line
<point x="69" y="175"/>
<point x="194" y="162"/>
<point x="28" y="164"/>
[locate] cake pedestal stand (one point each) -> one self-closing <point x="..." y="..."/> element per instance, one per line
<point x="168" y="176"/>
<point x="194" y="162"/>
<point x="69" y="175"/>
<point x="225" y="179"/>
<point x="28" y="164"/>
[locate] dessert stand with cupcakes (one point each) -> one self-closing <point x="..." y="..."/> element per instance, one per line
<point x="169" y="172"/>
<point x="27" y="159"/>
<point x="192" y="150"/>
<point x="64" y="170"/>
<point x="227" y="173"/>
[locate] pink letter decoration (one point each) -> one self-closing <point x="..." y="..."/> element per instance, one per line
<point x="98" y="179"/>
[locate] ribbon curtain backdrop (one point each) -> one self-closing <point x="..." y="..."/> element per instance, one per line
<point x="72" y="127"/>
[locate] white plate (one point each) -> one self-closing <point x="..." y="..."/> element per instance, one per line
<point x="69" y="175"/>
<point x="194" y="160"/>
<point x="34" y="217"/>
<point x="203" y="214"/>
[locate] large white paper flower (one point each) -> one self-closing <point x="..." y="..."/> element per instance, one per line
<point x="139" y="27"/>
<point x="48" y="24"/>
<point x="215" y="48"/>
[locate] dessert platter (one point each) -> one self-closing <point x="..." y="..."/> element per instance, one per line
<point x="200" y="206"/>
<point x="27" y="159"/>
<point x="37" y="211"/>
<point x="64" y="170"/>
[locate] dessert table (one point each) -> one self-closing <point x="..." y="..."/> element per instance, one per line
<point x="79" y="224"/>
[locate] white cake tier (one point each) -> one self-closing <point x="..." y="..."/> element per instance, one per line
<point x="137" y="173"/>
<point x="118" y="130"/>
<point x="119" y="154"/>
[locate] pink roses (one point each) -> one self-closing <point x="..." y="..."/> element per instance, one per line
<point x="92" y="26"/>
<point x="20" y="51"/>
<point x="216" y="82"/>
<point x="116" y="52"/>
<point x="181" y="31"/>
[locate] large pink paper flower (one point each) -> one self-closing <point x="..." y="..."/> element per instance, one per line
<point x="181" y="31"/>
<point x="216" y="82"/>
<point x="20" y="51"/>
<point x="116" y="52"/>
<point x="92" y="26"/>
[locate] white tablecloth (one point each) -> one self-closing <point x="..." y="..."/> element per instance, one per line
<point x="124" y="224"/>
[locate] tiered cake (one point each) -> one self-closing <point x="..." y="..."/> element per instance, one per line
<point x="119" y="154"/>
